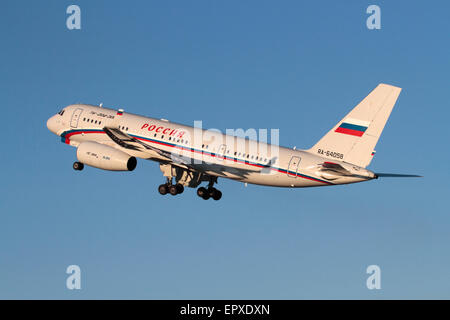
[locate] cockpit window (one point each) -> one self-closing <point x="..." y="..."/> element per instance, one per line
<point x="61" y="112"/>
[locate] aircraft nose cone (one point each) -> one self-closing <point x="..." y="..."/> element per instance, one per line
<point x="52" y="124"/>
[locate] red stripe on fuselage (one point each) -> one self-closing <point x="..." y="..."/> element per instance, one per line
<point x="67" y="136"/>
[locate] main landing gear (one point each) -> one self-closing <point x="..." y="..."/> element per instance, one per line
<point x="78" y="166"/>
<point x="178" y="188"/>
<point x="202" y="192"/>
<point x="211" y="192"/>
<point x="173" y="189"/>
<point x="187" y="178"/>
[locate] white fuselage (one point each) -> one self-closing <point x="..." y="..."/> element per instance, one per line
<point x="214" y="154"/>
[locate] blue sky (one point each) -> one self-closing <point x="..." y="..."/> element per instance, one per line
<point x="297" y="66"/>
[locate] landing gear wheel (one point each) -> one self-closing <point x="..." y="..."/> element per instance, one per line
<point x="217" y="194"/>
<point x="203" y="193"/>
<point x="214" y="193"/>
<point x="180" y="188"/>
<point x="206" y="196"/>
<point x="78" y="166"/>
<point x="163" y="189"/>
<point x="173" y="190"/>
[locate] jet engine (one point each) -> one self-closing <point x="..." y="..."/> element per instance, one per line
<point x="105" y="157"/>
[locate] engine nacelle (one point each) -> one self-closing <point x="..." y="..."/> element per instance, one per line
<point x="105" y="157"/>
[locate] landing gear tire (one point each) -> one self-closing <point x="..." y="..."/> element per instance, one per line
<point x="217" y="194"/>
<point x="163" y="189"/>
<point x="180" y="188"/>
<point x="203" y="193"/>
<point x="214" y="193"/>
<point x="205" y="196"/>
<point x="78" y="166"/>
<point x="173" y="189"/>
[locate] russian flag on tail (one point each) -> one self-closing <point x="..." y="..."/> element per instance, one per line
<point x="353" y="127"/>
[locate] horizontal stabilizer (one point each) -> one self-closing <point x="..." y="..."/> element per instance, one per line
<point x="396" y="175"/>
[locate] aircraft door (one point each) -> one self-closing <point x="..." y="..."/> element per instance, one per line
<point x="293" y="167"/>
<point x="75" y="117"/>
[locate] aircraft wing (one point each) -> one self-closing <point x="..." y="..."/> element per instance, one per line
<point x="128" y="142"/>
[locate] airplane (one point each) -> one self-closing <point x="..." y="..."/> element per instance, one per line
<point x="111" y="139"/>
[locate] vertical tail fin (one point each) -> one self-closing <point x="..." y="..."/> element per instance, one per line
<point x="354" y="138"/>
